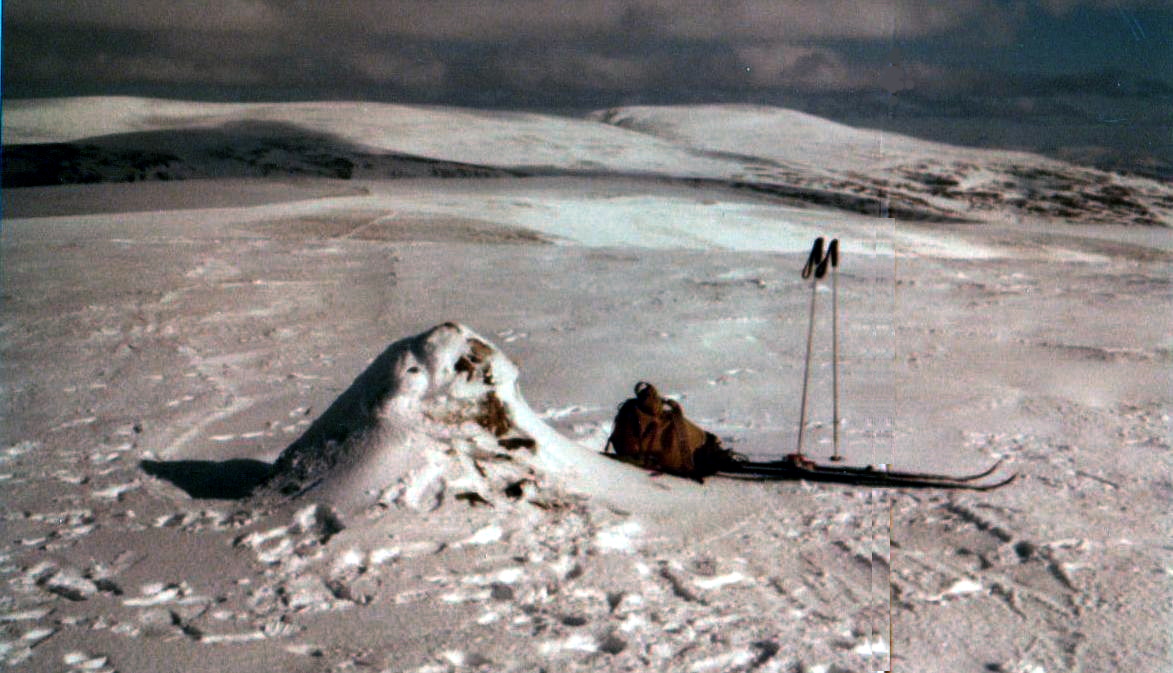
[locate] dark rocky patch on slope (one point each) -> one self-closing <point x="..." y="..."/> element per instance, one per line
<point x="246" y="149"/>
<point x="1078" y="195"/>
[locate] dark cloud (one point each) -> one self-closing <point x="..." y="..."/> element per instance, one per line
<point x="240" y="16"/>
<point x="469" y="51"/>
<point x="481" y="20"/>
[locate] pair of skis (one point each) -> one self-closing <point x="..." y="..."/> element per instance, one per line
<point x="799" y="467"/>
<point x="796" y="465"/>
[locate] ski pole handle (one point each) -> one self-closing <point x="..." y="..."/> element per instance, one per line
<point x="817" y="262"/>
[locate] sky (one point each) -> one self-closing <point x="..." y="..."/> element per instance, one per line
<point x="952" y="68"/>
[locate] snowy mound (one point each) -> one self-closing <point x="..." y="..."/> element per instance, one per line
<point x="440" y="417"/>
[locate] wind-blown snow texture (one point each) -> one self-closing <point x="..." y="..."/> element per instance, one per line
<point x="202" y="468"/>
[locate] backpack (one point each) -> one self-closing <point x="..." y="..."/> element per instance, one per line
<point x="653" y="432"/>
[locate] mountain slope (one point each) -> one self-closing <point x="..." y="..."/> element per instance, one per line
<point x="778" y="153"/>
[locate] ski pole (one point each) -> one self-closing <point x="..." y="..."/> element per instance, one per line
<point x="833" y="253"/>
<point x="814" y="264"/>
<point x="816" y="269"/>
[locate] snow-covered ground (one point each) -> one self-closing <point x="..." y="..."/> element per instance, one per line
<point x="165" y="341"/>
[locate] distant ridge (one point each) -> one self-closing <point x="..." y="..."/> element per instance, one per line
<point x="771" y="152"/>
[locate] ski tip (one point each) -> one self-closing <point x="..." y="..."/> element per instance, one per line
<point x="971" y="486"/>
<point x="1005" y="482"/>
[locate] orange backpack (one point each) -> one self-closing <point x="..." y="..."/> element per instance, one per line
<point x="652" y="432"/>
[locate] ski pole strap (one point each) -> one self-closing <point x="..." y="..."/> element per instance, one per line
<point x="817" y="262"/>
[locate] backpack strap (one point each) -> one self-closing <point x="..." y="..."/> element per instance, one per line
<point x="678" y="425"/>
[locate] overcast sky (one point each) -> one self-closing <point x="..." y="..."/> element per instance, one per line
<point x="1108" y="60"/>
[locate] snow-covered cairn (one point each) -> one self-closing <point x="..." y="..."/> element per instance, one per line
<point x="439" y="418"/>
<point x="436" y="416"/>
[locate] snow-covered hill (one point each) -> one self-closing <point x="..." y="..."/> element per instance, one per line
<point x="780" y="153"/>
